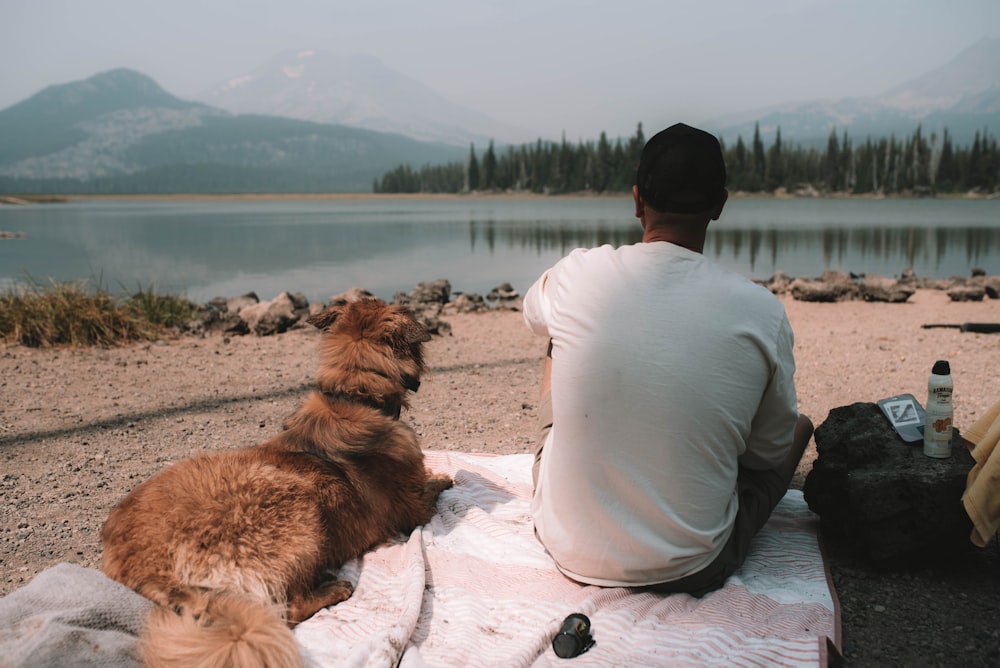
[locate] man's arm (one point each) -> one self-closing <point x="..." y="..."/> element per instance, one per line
<point x="773" y="430"/>
<point x="535" y="306"/>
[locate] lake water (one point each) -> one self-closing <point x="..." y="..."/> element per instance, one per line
<point x="203" y="248"/>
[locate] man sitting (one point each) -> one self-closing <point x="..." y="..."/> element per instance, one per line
<point x="670" y="422"/>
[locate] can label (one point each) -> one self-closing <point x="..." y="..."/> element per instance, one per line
<point x="937" y="436"/>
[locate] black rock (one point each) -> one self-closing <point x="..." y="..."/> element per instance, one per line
<point x="893" y="505"/>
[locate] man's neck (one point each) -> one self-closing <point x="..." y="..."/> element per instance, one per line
<point x="686" y="230"/>
<point x="691" y="240"/>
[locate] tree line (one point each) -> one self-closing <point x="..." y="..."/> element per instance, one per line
<point x="194" y="178"/>
<point x="912" y="165"/>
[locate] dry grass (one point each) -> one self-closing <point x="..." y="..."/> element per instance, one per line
<point x="73" y="314"/>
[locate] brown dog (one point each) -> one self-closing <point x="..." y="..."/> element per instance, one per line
<point x="235" y="547"/>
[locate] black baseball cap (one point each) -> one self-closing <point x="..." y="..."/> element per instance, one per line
<point x="682" y="170"/>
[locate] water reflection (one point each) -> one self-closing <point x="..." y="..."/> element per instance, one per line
<point x="881" y="250"/>
<point x="207" y="249"/>
<point x="761" y="252"/>
<point x="543" y="236"/>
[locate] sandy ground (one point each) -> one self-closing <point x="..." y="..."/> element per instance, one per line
<point x="80" y="428"/>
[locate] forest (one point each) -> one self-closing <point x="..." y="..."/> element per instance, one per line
<point x="917" y="165"/>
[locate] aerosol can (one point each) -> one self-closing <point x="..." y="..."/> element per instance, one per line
<point x="938" y="413"/>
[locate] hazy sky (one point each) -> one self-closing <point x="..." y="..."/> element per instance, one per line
<point x="579" y="66"/>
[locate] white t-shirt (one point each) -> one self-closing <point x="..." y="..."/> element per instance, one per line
<point x="667" y="372"/>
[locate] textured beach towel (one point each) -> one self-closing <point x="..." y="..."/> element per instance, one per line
<point x="475" y="588"/>
<point x="982" y="488"/>
<point x="71" y="616"/>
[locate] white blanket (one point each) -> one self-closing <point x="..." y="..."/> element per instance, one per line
<point x="475" y="588"/>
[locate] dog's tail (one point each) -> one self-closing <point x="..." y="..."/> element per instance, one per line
<point x="232" y="632"/>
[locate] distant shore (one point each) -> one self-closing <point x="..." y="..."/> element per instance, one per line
<point x="56" y="198"/>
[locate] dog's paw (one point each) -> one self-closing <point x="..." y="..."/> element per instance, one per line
<point x="335" y="591"/>
<point x="327" y="593"/>
<point x="438" y="483"/>
<point x="433" y="487"/>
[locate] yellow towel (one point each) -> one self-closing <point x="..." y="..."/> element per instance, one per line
<point x="982" y="488"/>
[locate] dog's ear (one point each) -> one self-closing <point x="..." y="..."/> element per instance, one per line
<point x="327" y="316"/>
<point x="414" y="332"/>
<point x="407" y="335"/>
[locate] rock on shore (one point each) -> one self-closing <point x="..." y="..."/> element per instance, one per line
<point x="430" y="301"/>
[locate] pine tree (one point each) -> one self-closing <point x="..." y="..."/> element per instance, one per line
<point x="946" y="177"/>
<point x="864" y="179"/>
<point x="740" y="179"/>
<point x="975" y="177"/>
<point x="990" y="163"/>
<point x="831" y="167"/>
<point x="759" y="160"/>
<point x="472" y="170"/>
<point x="488" y="179"/>
<point x="602" y="164"/>
<point x="775" y="164"/>
<point x="623" y="173"/>
<point x="847" y="168"/>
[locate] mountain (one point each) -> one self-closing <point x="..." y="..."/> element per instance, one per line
<point x="61" y="118"/>
<point x="357" y="90"/>
<point x="963" y="95"/>
<point x="119" y="131"/>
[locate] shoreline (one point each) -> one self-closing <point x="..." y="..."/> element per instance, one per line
<point x="16" y="199"/>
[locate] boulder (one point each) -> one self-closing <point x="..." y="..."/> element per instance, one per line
<point x="502" y="292"/>
<point x="315" y="308"/>
<point x="214" y="317"/>
<point x="466" y="303"/>
<point x="892" y="504"/>
<point x="779" y="283"/>
<point x="237" y="304"/>
<point x="504" y="296"/>
<point x="967" y="293"/>
<point x="876" y="288"/>
<point x="350" y="295"/>
<point x="832" y="286"/>
<point x="302" y="309"/>
<point x="438" y="291"/>
<point x="299" y="301"/>
<point x="991" y="284"/>
<point x="275" y="316"/>
<point x="426" y="302"/>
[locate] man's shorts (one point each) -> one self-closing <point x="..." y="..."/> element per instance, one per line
<point x="544" y="427"/>
<point x="759" y="493"/>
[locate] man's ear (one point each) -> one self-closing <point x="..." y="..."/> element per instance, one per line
<point x="640" y="205"/>
<point x="718" y="210"/>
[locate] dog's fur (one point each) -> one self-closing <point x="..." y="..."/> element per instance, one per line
<point x="236" y="547"/>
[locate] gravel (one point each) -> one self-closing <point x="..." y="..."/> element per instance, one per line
<point x="80" y="428"/>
